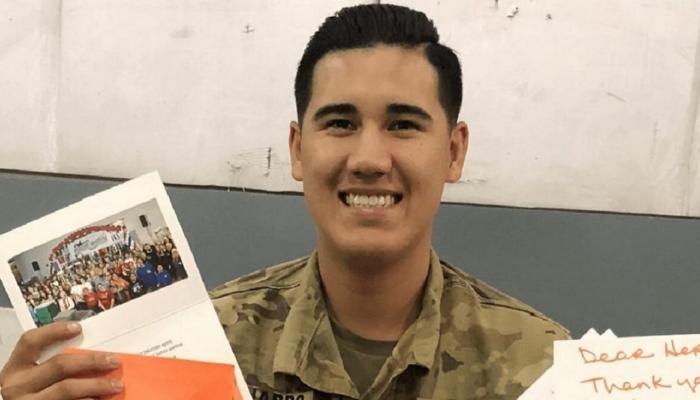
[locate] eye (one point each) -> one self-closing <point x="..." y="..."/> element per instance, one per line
<point x="342" y="124"/>
<point x="404" y="124"/>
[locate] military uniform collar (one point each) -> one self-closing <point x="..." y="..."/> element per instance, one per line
<point x="423" y="335"/>
<point x="307" y="347"/>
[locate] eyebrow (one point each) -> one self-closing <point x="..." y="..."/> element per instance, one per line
<point x="397" y="108"/>
<point x="393" y="108"/>
<point x="339" y="108"/>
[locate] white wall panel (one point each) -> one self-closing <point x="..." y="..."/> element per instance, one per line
<point x="583" y="104"/>
<point x="579" y="104"/>
<point x="693" y="144"/>
<point x="201" y="90"/>
<point x="29" y="46"/>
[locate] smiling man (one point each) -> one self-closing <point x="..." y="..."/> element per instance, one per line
<point x="373" y="313"/>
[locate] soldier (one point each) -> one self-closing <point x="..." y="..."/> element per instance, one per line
<point x="373" y="313"/>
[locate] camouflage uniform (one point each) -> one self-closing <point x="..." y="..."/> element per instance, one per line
<point x="470" y="341"/>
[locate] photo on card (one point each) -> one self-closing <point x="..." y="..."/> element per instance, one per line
<point x="99" y="267"/>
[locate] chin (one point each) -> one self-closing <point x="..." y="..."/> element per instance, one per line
<point x="370" y="250"/>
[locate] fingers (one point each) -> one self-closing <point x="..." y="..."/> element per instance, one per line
<point x="65" y="366"/>
<point x="77" y="388"/>
<point x="60" y="378"/>
<point x="33" y="342"/>
<point x="57" y="378"/>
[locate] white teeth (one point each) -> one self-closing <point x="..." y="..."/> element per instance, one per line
<point x="365" y="201"/>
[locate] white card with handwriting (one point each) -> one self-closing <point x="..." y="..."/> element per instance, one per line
<point x="633" y="368"/>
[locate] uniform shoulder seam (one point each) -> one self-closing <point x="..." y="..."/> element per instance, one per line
<point x="279" y="277"/>
<point x="488" y="295"/>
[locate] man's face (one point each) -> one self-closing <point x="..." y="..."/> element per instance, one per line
<point x="375" y="151"/>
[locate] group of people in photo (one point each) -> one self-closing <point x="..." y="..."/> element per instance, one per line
<point x="102" y="280"/>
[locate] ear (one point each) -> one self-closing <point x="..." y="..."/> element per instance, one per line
<point x="459" y="142"/>
<point x="295" y="150"/>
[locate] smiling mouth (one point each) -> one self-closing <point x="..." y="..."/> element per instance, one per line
<point x="369" y="201"/>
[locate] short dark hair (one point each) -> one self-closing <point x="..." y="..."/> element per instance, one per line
<point x="367" y="25"/>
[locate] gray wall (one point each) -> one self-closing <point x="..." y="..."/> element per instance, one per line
<point x="634" y="274"/>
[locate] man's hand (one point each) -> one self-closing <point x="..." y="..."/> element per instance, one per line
<point x="56" y="379"/>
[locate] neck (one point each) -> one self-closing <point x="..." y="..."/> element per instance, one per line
<point x="376" y="298"/>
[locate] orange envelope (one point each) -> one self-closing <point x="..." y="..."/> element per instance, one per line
<point x="155" y="378"/>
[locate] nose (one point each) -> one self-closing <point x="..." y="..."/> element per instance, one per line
<point x="371" y="156"/>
